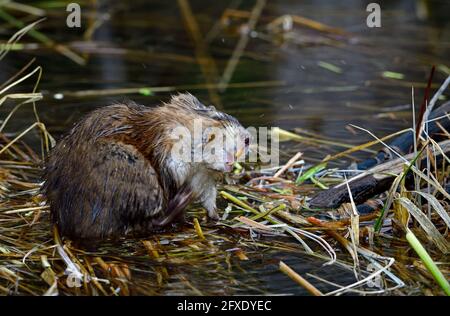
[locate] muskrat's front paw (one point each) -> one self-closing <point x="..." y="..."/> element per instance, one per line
<point x="213" y="216"/>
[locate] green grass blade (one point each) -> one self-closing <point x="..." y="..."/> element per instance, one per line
<point x="429" y="263"/>
<point x="309" y="173"/>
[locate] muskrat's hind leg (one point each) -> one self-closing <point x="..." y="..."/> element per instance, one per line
<point x="176" y="207"/>
<point x="106" y="193"/>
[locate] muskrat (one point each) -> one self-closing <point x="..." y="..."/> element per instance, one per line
<point x="116" y="173"/>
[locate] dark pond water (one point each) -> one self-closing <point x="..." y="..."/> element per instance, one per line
<point x="282" y="80"/>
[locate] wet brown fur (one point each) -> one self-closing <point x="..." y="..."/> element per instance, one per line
<point x="109" y="177"/>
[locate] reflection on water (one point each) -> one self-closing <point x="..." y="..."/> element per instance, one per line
<point x="146" y="43"/>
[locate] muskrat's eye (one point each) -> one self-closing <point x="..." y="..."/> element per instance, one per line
<point x="211" y="137"/>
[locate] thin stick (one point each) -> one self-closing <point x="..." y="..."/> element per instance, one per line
<point x="308" y="23"/>
<point x="217" y="27"/>
<point x="423" y="107"/>
<point x="299" y="279"/>
<point x="19" y="73"/>
<point x="198" y="229"/>
<point x="204" y="60"/>
<point x="202" y="86"/>
<point x="288" y="164"/>
<point x="242" y="43"/>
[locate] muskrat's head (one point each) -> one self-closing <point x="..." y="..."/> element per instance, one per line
<point x="216" y="140"/>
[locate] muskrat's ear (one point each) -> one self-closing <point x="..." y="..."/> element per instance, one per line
<point x="187" y="100"/>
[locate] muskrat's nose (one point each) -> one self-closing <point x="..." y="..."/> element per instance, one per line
<point x="229" y="158"/>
